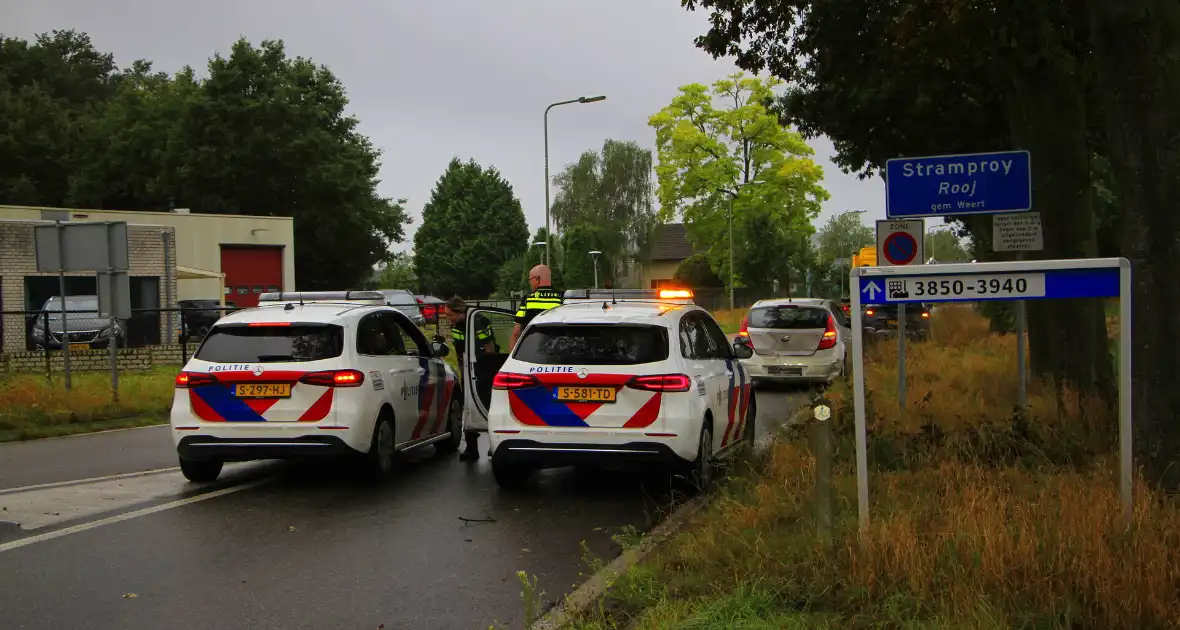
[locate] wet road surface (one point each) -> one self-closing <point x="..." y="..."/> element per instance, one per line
<point x="303" y="546"/>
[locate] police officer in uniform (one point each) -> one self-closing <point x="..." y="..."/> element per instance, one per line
<point x="456" y="313"/>
<point x="540" y="300"/>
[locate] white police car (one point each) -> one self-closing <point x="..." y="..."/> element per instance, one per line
<point x="595" y="381"/>
<point x="314" y="375"/>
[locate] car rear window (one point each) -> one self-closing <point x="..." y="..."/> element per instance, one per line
<point x="271" y="344"/>
<point x="788" y="317"/>
<point x="593" y="344"/>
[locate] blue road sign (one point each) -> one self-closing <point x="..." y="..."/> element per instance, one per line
<point x="979" y="183"/>
<point x="1048" y="284"/>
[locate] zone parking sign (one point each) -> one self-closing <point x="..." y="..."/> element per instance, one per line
<point x="900" y="243"/>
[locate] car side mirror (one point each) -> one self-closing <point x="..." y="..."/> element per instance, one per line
<point x="742" y="349"/>
<point x="440" y="349"/>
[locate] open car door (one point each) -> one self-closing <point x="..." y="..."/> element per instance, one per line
<point x="486" y="329"/>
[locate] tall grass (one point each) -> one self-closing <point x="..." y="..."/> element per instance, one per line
<point x="33" y="406"/>
<point x="981" y="518"/>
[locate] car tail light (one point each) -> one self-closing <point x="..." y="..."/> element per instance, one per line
<point x="829" y="339"/>
<point x="334" y="378"/>
<point x="744" y="331"/>
<point x="185" y="380"/>
<point x="925" y="314"/>
<point x="661" y="383"/>
<point x="869" y="312"/>
<point x="511" y="380"/>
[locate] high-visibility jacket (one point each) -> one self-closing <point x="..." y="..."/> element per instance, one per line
<point x="537" y="302"/>
<point x="483" y="334"/>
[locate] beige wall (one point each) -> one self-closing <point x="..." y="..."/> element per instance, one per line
<point x="18" y="259"/>
<point x="199" y="237"/>
<point x="659" y="270"/>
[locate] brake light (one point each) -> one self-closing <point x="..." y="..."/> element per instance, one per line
<point x="661" y="383"/>
<point x="511" y="380"/>
<point x="925" y="314"/>
<point x="185" y="380"/>
<point x="262" y="324"/>
<point x="829" y="338"/>
<point x="868" y="311"/>
<point x="334" y="378"/>
<point x="673" y="294"/>
<point x="744" y="331"/>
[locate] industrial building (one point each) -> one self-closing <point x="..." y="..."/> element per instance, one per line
<point x="174" y="256"/>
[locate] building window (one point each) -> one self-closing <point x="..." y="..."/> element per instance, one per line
<point x="257" y="289"/>
<point x="243" y="290"/>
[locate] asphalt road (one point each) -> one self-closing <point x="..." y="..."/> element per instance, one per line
<point x="275" y="545"/>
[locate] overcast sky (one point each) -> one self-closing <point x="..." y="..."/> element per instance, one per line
<point x="442" y="78"/>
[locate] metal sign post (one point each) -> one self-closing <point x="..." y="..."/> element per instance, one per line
<point x="976" y="282"/>
<point x="70" y="247"/>
<point x="1019" y="233"/>
<point x="901" y="243"/>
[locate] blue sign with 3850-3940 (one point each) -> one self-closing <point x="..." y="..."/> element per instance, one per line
<point x="978" y="183"/>
<point x="1047" y="284"/>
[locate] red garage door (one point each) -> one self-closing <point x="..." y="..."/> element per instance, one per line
<point x="250" y="271"/>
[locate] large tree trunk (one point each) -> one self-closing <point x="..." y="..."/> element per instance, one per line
<point x="1137" y="44"/>
<point x="1047" y="111"/>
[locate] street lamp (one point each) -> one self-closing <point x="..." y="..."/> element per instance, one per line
<point x="844" y="244"/>
<point x="729" y="216"/>
<point x="595" y="254"/>
<point x="580" y="100"/>
<point x="931" y="230"/>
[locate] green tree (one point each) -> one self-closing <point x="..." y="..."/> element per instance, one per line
<point x="710" y="142"/>
<point x="611" y="190"/>
<point x="472" y="224"/>
<point x="695" y="272"/>
<point x="855" y="64"/>
<point x="268" y="134"/>
<point x="577" y="267"/>
<point x="843" y="235"/>
<point x="945" y="246"/>
<point x="398" y="273"/>
<point x="50" y="91"/>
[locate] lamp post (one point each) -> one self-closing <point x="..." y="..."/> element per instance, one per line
<point x="930" y="232"/>
<point x="595" y="254"/>
<point x="580" y="100"/>
<point x="843" y="245"/>
<point x="729" y="217"/>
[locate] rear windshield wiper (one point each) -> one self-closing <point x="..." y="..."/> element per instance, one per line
<point x="272" y="358"/>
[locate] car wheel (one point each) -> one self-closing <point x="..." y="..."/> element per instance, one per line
<point x="200" y="470"/>
<point x="454" y="425"/>
<point x="510" y="476"/>
<point x="700" y="471"/>
<point x="749" y="429"/>
<point x="378" y="464"/>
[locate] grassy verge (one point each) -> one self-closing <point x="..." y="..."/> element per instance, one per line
<point x="730" y="320"/>
<point x="980" y="519"/>
<point x="32" y="406"/>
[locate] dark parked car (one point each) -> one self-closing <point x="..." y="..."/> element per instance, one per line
<point x="881" y="320"/>
<point x="83" y="325"/>
<point x="431" y="308"/>
<point x="200" y="315"/>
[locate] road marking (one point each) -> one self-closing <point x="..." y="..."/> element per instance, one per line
<point x="58" y="484"/>
<point x="16" y="544"/>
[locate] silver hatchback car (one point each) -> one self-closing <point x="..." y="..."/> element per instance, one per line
<point x="801" y="340"/>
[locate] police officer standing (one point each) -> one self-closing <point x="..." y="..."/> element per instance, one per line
<point x="540" y="300"/>
<point x="456" y="313"/>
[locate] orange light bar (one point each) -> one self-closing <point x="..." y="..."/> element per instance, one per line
<point x="259" y="324"/>
<point x="670" y="294"/>
<point x="868" y="311"/>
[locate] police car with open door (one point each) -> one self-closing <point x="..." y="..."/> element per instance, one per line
<point x="645" y="377"/>
<point x="314" y="374"/>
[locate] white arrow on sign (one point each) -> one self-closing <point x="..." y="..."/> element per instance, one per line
<point x="872" y="289"/>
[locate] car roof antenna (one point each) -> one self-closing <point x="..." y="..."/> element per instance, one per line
<point x="289" y="307"/>
<point x="604" y="306"/>
<point x="612" y="297"/>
